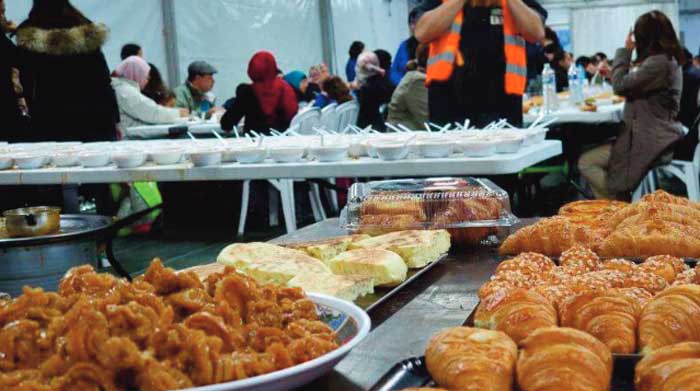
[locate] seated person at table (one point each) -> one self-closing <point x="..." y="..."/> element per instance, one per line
<point x="333" y="90"/>
<point x="653" y="95"/>
<point x="136" y="109"/>
<point x="409" y="104"/>
<point x="157" y="90"/>
<point x="200" y="80"/>
<point x="267" y="103"/>
<point x="374" y="89"/>
<point x="303" y="89"/>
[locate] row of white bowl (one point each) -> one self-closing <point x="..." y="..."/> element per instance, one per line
<point x="397" y="146"/>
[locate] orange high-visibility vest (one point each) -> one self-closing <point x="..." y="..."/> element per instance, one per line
<point x="445" y="53"/>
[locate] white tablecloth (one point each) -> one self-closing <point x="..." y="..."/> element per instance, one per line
<point x="365" y="167"/>
<point x="567" y="114"/>
<point x="162" y="131"/>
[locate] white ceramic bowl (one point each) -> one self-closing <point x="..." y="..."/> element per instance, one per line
<point x="287" y="154"/>
<point x="509" y="144"/>
<point x="250" y="155"/>
<point x="478" y="148"/>
<point x="66" y="158"/>
<point x="95" y="159"/>
<point x="167" y="156"/>
<point x="6" y="162"/>
<point x="435" y="148"/>
<point x="29" y="161"/>
<point x="388" y="151"/>
<point x="129" y="159"/>
<point x="329" y="153"/>
<point x="206" y="158"/>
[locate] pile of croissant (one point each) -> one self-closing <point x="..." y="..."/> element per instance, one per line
<point x="659" y="223"/>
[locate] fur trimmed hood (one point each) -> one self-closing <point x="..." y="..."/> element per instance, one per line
<point x="87" y="38"/>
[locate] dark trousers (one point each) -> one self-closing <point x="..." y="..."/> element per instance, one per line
<point x="449" y="104"/>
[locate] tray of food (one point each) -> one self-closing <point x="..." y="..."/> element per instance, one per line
<point x="473" y="211"/>
<point x="360" y="268"/>
<point x="169" y="331"/>
<point x="659" y="223"/>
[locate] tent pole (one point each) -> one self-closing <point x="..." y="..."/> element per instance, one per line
<point x="172" y="56"/>
<point x="328" y="35"/>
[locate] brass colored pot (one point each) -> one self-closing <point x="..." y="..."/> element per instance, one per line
<point x="32" y="222"/>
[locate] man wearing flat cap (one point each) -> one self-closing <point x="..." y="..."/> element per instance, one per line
<point x="200" y="80"/>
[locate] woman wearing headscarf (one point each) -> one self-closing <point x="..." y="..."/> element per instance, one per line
<point x="65" y="75"/>
<point x="135" y="108"/>
<point x="304" y="89"/>
<point x="374" y="90"/>
<point x="267" y="103"/>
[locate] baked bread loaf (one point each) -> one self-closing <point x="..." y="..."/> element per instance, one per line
<point x="468" y="359"/>
<point x="611" y="316"/>
<point x="348" y="288"/>
<point x="673" y="316"/>
<point x="550" y="236"/>
<point x="560" y="358"/>
<point x="517" y="313"/>
<point x="674" y="367"/>
<point x="327" y="249"/>
<point x="384" y="267"/>
<point x="417" y="248"/>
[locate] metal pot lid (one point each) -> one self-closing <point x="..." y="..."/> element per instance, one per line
<point x="73" y="227"/>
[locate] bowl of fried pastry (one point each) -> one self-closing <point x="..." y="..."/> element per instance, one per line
<point x="170" y="331"/>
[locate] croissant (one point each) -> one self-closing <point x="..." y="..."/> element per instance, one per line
<point x="645" y="280"/>
<point x="459" y="211"/>
<point x="662" y="196"/>
<point x="679" y="266"/>
<point x="621" y="265"/>
<point x="529" y="264"/>
<point x="610" y="316"/>
<point x="671" y="317"/>
<point x="393" y="204"/>
<point x="649" y="211"/>
<point x="641" y="296"/>
<point x="661" y="269"/>
<point x="591" y="208"/>
<point x="579" y="257"/>
<point x="689" y="276"/>
<point x="555" y="359"/>
<point x="555" y="294"/>
<point x="468" y="359"/>
<point x="652" y="238"/>
<point x="517" y="313"/>
<point x="550" y="236"/>
<point x="674" y="367"/>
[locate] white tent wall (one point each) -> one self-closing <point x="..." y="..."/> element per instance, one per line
<point x="226" y="33"/>
<point x="138" y="21"/>
<point x="690" y="24"/>
<point x="380" y="24"/>
<point x="604" y="28"/>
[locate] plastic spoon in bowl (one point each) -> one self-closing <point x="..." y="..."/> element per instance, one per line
<point x="407" y="130"/>
<point x="551" y="121"/>
<point x="392" y="127"/>
<point x="235" y="132"/>
<point x="216" y="134"/>
<point x="427" y="127"/>
<point x="537" y="121"/>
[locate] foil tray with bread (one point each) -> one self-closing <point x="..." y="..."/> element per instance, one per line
<point x="474" y="211"/>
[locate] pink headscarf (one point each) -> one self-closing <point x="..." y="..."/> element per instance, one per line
<point x="134" y="68"/>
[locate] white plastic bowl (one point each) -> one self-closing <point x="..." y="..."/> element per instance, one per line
<point x="387" y="151"/>
<point x="329" y="153"/>
<point x="509" y="144"/>
<point x="535" y="136"/>
<point x="357" y="149"/>
<point x="435" y="148"/>
<point x="29" y="161"/>
<point x="206" y="158"/>
<point x="66" y="158"/>
<point x="287" y="154"/>
<point x="94" y="159"/>
<point x="129" y="159"/>
<point x="167" y="156"/>
<point x="250" y="155"/>
<point x="6" y="162"/>
<point x="478" y="148"/>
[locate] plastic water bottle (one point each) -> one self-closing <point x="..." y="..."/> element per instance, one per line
<point x="573" y="85"/>
<point x="582" y="82"/>
<point x="549" y="90"/>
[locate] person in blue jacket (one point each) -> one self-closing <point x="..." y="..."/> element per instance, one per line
<point x="356" y="49"/>
<point x="406" y="52"/>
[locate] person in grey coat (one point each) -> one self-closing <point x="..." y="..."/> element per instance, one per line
<point x="652" y="86"/>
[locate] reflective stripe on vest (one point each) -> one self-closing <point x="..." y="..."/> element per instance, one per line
<point x="445" y="53"/>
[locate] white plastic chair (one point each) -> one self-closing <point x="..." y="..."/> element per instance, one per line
<point x="329" y="119"/>
<point x="306" y="120"/>
<point x="347" y="114"/>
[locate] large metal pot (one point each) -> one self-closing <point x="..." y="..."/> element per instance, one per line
<point x="42" y="261"/>
<point x="33" y="221"/>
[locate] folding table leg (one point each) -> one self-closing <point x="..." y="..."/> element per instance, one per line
<point x="274" y="208"/>
<point x="245" y="199"/>
<point x="286" y="188"/>
<point x="333" y="197"/>
<point x="316" y="204"/>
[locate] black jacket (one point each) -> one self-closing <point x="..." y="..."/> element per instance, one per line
<point x="689" y="111"/>
<point x="246" y="105"/>
<point x="67" y="84"/>
<point x="9" y="109"/>
<point x="376" y="92"/>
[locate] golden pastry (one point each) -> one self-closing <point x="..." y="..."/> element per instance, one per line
<point x="679" y="266"/>
<point x="517" y="313"/>
<point x="673" y="368"/>
<point x="550" y="236"/>
<point x="621" y="265"/>
<point x="651" y="238"/>
<point x="659" y="268"/>
<point x="579" y="257"/>
<point x="611" y="316"/>
<point x="563" y="359"/>
<point x="671" y="317"/>
<point x="468" y="359"/>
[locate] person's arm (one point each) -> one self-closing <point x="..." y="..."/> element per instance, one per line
<point x="237" y="108"/>
<point x="434" y="23"/>
<point x="648" y="77"/>
<point x="144" y="109"/>
<point x="290" y="104"/>
<point x="529" y="22"/>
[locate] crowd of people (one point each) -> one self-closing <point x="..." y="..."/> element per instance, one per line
<point x="464" y="59"/>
